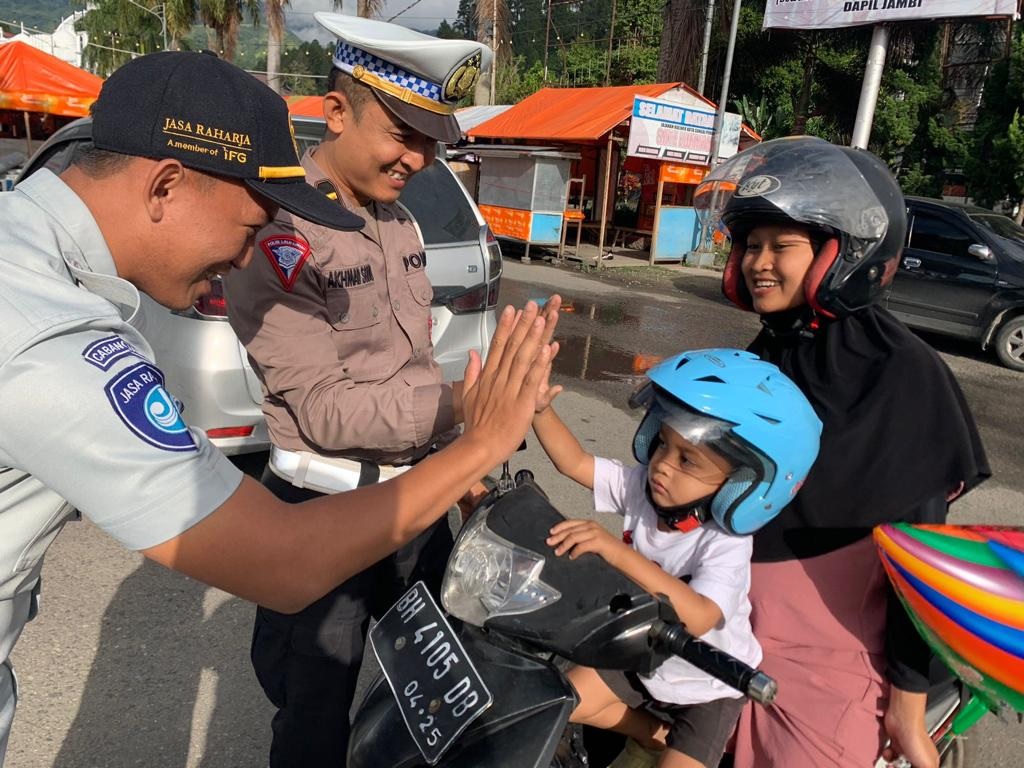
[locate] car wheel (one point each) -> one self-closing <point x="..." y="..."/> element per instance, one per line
<point x="1010" y="343"/>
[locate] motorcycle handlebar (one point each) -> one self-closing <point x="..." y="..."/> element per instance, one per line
<point x="751" y="682"/>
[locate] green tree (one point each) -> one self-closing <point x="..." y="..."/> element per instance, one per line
<point x="996" y="166"/>
<point x="299" y="63"/>
<point x="118" y="31"/>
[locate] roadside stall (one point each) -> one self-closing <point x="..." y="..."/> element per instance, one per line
<point x="522" y="192"/>
<point x="667" y="155"/>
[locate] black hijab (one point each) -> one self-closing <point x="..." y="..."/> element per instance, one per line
<point x="898" y="436"/>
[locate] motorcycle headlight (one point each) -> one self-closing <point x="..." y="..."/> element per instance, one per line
<point x="489" y="576"/>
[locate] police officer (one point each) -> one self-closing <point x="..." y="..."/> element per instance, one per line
<point x="190" y="158"/>
<point x="337" y="324"/>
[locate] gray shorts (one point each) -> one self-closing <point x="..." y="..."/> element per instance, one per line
<point x="699" y="731"/>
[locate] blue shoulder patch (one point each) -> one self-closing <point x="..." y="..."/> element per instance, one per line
<point x="107" y="351"/>
<point x="140" y="400"/>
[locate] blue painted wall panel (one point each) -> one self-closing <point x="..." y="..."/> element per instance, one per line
<point x="546" y="228"/>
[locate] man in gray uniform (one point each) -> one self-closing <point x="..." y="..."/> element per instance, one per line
<point x="191" y="158"/>
<point x="337" y="326"/>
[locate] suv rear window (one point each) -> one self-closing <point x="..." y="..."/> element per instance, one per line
<point x="437" y="201"/>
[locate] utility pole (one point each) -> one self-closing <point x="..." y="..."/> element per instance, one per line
<point x="611" y="38"/>
<point x="706" y="48"/>
<point x="870" y="86"/>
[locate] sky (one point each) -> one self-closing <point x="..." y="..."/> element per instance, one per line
<point x="425" y="14"/>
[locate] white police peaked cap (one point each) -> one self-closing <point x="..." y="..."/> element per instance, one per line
<point x="418" y="77"/>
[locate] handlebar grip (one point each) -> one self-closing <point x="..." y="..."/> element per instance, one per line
<point x="749" y="681"/>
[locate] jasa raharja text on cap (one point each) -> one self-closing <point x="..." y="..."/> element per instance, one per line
<point x="212" y="116"/>
<point x="419" y="78"/>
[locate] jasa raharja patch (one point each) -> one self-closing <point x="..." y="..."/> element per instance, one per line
<point x="462" y="79"/>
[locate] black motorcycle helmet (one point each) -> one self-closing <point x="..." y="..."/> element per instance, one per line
<point x="846" y="198"/>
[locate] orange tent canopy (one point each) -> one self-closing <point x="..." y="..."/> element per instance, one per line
<point x="34" y="81"/>
<point x="567" y="114"/>
<point x="306" y="106"/>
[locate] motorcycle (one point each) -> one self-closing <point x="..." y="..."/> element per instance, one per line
<point x="491" y="690"/>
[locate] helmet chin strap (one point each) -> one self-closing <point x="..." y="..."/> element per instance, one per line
<point x="684" y="517"/>
<point x="801" y="321"/>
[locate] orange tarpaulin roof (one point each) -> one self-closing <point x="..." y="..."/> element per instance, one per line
<point x="575" y="114"/>
<point x="567" y="114"/>
<point x="306" y="106"/>
<point x="34" y="81"/>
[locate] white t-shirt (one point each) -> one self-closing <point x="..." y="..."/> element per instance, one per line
<point x="717" y="563"/>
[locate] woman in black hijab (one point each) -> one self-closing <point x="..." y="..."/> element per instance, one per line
<point x="816" y="232"/>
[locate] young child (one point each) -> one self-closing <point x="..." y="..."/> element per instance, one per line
<point x="724" y="444"/>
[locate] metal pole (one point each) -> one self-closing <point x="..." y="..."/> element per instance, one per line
<point x="716" y="142"/>
<point x="163" y="23"/>
<point x="604" y="198"/>
<point x="494" y="45"/>
<point x="716" y="137"/>
<point x="706" y="48"/>
<point x="611" y="37"/>
<point x="870" y="86"/>
<point x="547" y="38"/>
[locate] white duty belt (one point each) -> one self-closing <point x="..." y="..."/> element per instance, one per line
<point x="323" y="473"/>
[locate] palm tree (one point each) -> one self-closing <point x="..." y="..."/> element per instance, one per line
<point x="275" y="40"/>
<point x="368" y="9"/>
<point x="223" y="17"/>
<point x="180" y="15"/>
<point x="682" y="39"/>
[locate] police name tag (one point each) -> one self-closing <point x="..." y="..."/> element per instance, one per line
<point x="437" y="688"/>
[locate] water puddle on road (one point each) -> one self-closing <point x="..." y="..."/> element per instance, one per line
<point x="605" y="314"/>
<point x="591" y="359"/>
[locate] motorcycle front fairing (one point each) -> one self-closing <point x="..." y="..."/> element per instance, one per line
<point x="521" y="729"/>
<point x="600" y="619"/>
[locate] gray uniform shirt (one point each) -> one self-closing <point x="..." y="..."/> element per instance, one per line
<point x="85" y="421"/>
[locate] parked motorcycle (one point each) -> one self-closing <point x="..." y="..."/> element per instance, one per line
<point x="492" y="692"/>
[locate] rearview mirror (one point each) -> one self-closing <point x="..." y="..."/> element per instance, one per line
<point x="981" y="252"/>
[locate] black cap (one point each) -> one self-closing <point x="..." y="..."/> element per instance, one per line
<point x="214" y="117"/>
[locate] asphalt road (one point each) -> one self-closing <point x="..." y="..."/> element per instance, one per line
<point x="132" y="665"/>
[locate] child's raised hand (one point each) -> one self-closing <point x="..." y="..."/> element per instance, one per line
<point x="579" y="536"/>
<point x="546" y="393"/>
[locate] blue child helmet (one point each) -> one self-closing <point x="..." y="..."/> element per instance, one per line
<point x="770" y="433"/>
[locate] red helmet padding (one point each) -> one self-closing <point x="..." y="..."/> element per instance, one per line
<point x="823" y="261"/>
<point x="732" y="279"/>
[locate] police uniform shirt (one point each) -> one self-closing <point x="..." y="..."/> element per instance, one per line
<point x="85" y="422"/>
<point x="337" y="325"/>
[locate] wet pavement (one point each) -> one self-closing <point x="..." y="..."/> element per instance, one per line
<point x="610" y="335"/>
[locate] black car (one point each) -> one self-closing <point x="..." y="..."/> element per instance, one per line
<point x="962" y="274"/>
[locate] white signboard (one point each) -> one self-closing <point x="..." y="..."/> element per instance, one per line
<point x="665" y="130"/>
<point x="825" y="14"/>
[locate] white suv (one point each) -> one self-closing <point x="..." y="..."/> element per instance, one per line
<point x="208" y="370"/>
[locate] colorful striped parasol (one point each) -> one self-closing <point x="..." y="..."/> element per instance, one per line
<point x="963" y="587"/>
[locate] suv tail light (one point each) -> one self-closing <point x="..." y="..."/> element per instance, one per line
<point x="471" y="300"/>
<point x="212" y="306"/>
<point x="494" y="266"/>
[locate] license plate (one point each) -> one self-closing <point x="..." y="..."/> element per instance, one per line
<point x="438" y="690"/>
